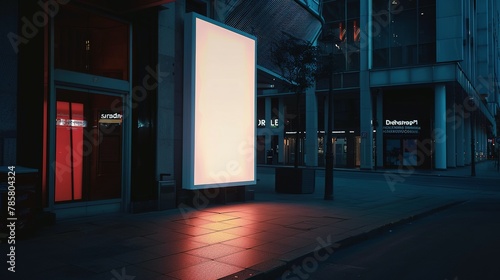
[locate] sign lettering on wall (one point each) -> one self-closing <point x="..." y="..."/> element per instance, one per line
<point x="401" y="127"/>
<point x="262" y="123"/>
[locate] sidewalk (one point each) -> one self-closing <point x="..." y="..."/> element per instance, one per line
<point x="484" y="169"/>
<point x="254" y="239"/>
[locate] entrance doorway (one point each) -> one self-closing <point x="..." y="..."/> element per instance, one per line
<point x="88" y="148"/>
<point x="400" y="152"/>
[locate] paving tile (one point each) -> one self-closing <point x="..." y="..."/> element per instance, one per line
<point x="211" y="270"/>
<point x="166" y="235"/>
<point x="131" y="272"/>
<point x="173" y="225"/>
<point x="195" y="231"/>
<point x="171" y="248"/>
<point x="215" y="237"/>
<point x="247" y="258"/>
<point x="244" y="231"/>
<point x="61" y="273"/>
<point x="99" y="265"/>
<point x="245" y="242"/>
<point x="218" y="226"/>
<point x="240" y="222"/>
<point x="293" y="241"/>
<point x="193" y="221"/>
<point x="140" y="242"/>
<point x="215" y="251"/>
<point x="275" y="248"/>
<point x="172" y="263"/>
<point x="267" y="236"/>
<point x="136" y="256"/>
<point x="219" y="217"/>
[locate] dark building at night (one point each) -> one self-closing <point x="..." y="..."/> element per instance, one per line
<point x="92" y="94"/>
<point x="92" y="91"/>
<point x="415" y="83"/>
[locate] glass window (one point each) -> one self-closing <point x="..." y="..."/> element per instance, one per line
<point x="427" y="25"/>
<point x="334" y="10"/>
<point x="90" y="43"/>
<point x="426" y="3"/>
<point x="404" y="36"/>
<point x="88" y="152"/>
<point x="379" y="5"/>
<point x="353" y="39"/>
<point x="352" y="9"/>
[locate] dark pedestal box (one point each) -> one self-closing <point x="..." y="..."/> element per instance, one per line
<point x="300" y="180"/>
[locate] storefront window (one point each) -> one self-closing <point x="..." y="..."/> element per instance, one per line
<point x="88" y="152"/>
<point x="89" y="43"/>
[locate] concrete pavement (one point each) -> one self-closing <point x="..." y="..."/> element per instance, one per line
<point x="253" y="239"/>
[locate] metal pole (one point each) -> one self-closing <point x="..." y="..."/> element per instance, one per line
<point x="473" y="147"/>
<point x="498" y="158"/>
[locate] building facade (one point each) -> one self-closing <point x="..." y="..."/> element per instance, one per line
<point x="415" y="84"/>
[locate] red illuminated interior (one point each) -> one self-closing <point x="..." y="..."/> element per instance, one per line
<point x="69" y="151"/>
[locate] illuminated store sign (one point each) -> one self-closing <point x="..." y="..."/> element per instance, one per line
<point x="71" y="123"/>
<point x="401" y="127"/>
<point x="262" y="123"/>
<point x="110" y="118"/>
<point x="219" y="84"/>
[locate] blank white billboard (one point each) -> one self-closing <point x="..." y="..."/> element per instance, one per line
<point x="219" y="105"/>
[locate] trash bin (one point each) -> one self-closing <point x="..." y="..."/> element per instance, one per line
<point x="166" y="195"/>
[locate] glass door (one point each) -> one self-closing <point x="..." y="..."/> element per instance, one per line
<point x="88" y="160"/>
<point x="70" y="123"/>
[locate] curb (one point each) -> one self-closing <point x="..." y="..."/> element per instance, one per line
<point x="281" y="266"/>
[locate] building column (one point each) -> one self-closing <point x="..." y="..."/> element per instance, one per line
<point x="451" y="153"/>
<point x="459" y="136"/>
<point x="440" y="126"/>
<point x="365" y="98"/>
<point x="311" y="142"/>
<point x="281" y="131"/>
<point x="267" y="118"/>
<point x="467" y="139"/>
<point x="165" y="119"/>
<point x="380" y="130"/>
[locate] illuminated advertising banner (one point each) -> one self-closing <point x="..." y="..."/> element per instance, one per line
<point x="219" y="105"/>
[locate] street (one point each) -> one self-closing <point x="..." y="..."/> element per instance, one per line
<point x="461" y="242"/>
<point x="394" y="179"/>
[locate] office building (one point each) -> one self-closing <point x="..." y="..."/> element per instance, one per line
<point x="415" y="85"/>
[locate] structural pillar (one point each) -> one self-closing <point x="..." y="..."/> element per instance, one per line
<point x="459" y="137"/>
<point x="451" y="153"/>
<point x="440" y="127"/>
<point x="467" y="138"/>
<point x="281" y="131"/>
<point x="166" y="106"/>
<point x="380" y="133"/>
<point x="365" y="98"/>
<point x="311" y="142"/>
